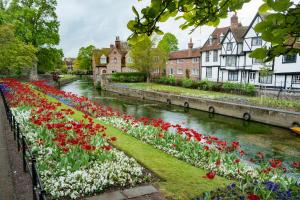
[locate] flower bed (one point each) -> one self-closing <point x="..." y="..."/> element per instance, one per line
<point x="207" y="152"/>
<point x="74" y="158"/>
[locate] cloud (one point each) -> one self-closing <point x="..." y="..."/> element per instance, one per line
<point x="97" y="22"/>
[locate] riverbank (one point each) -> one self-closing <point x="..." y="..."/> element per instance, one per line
<point x="204" y="102"/>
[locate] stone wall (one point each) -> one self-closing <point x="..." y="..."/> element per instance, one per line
<point x="260" y="114"/>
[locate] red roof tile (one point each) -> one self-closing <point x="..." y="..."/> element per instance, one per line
<point x="184" y="54"/>
<point x="216" y="43"/>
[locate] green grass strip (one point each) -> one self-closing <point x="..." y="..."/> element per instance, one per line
<point x="179" y="179"/>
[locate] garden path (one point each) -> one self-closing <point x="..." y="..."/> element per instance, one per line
<point x="14" y="183"/>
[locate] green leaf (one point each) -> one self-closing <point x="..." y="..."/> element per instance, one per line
<point x="259" y="53"/>
<point x="135" y="12"/>
<point x="263" y="8"/>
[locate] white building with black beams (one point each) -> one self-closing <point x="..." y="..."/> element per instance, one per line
<point x="284" y="70"/>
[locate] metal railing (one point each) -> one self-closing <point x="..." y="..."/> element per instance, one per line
<point x="29" y="160"/>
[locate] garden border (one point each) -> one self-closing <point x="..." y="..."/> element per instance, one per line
<point x="29" y="160"/>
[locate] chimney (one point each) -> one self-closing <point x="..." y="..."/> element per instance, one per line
<point x="118" y="42"/>
<point x="190" y="45"/>
<point x="234" y="21"/>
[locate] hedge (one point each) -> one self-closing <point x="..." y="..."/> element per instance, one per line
<point x="129" y="77"/>
<point x="228" y="87"/>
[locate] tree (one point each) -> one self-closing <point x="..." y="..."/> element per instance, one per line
<point x="14" y="54"/>
<point x="168" y="43"/>
<point x="281" y="28"/>
<point x="36" y="21"/>
<point x="84" y="58"/>
<point x="146" y="57"/>
<point x="49" y="59"/>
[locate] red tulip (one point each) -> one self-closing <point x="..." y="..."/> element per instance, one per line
<point x="252" y="196"/>
<point x="210" y="175"/>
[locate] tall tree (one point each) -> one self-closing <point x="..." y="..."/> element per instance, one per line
<point x="168" y="43"/>
<point x="36" y="21"/>
<point x="49" y="59"/>
<point x="84" y="58"/>
<point x="281" y="28"/>
<point x="146" y="57"/>
<point x="14" y="54"/>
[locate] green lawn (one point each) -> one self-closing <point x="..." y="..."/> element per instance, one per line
<point x="179" y="180"/>
<point x="293" y="105"/>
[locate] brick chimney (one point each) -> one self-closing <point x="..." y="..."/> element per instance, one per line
<point x="118" y="42"/>
<point x="234" y="21"/>
<point x="190" y="45"/>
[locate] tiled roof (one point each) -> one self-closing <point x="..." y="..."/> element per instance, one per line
<point x="216" y="43"/>
<point x="239" y="32"/>
<point x="297" y="45"/>
<point x="184" y="54"/>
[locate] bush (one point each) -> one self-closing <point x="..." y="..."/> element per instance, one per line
<point x="187" y="83"/>
<point x="129" y="77"/>
<point x="205" y="85"/>
<point x="239" y="88"/>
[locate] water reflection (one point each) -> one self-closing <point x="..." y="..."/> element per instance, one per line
<point x="274" y="141"/>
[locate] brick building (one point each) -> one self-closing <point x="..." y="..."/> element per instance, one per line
<point x="185" y="63"/>
<point x="110" y="60"/>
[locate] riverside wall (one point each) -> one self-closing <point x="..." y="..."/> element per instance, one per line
<point x="265" y="115"/>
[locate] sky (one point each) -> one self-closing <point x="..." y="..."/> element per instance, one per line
<point x="98" y="22"/>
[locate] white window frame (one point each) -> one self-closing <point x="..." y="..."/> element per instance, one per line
<point x="171" y="71"/>
<point x="296" y="79"/>
<point x="256" y="41"/>
<point x="229" y="46"/>
<point x="207" y="56"/>
<point x="115" y="61"/>
<point x="103" y="59"/>
<point x="230" y="61"/>
<point x="179" y="61"/>
<point x="179" y="71"/>
<point x="195" y="71"/>
<point x="195" y="60"/>
<point x="233" y="75"/>
<point x="208" y="72"/>
<point x="215" y="55"/>
<point x="265" y="79"/>
<point x="252" y="75"/>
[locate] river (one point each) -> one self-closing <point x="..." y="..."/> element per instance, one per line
<point x="274" y="141"/>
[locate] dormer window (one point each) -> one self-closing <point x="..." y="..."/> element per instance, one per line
<point x="209" y="41"/>
<point x="103" y="59"/>
<point x="256" y="41"/>
<point x="229" y="46"/>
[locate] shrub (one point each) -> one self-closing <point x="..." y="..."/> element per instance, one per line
<point x="129" y="77"/>
<point x="187" y="83"/>
<point x="205" y="85"/>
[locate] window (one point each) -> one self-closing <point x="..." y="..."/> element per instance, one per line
<point x="252" y="75"/>
<point x="209" y="41"/>
<point x="171" y="71"/>
<point x="265" y="79"/>
<point x="207" y="56"/>
<point x="208" y="72"/>
<point x="156" y="58"/>
<point x="215" y="56"/>
<point x="229" y="46"/>
<point x="289" y="58"/>
<point x="256" y="61"/>
<point x="230" y="61"/>
<point x="179" y="60"/>
<point x="244" y="75"/>
<point x="296" y="79"/>
<point x="256" y="41"/>
<point x="233" y="75"/>
<point x="179" y="71"/>
<point x="195" y="71"/>
<point x="103" y="59"/>
<point x="156" y="71"/>
<point x="115" y="60"/>
<point x="195" y="60"/>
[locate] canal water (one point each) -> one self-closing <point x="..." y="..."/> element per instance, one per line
<point x="275" y="142"/>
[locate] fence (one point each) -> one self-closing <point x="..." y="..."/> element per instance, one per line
<point x="29" y="160"/>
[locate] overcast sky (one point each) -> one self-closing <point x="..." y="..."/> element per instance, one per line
<point x="98" y="22"/>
